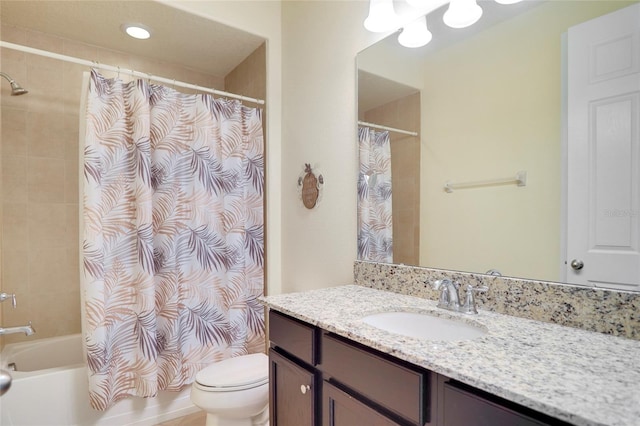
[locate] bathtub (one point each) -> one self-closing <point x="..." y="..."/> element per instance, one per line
<point x="49" y="387"/>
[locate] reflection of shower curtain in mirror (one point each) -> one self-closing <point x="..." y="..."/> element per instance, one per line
<point x="173" y="236"/>
<point x="375" y="229"/>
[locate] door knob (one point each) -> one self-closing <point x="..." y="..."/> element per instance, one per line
<point x="304" y="389"/>
<point x="577" y="264"/>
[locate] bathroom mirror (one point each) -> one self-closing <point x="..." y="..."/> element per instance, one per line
<point x="491" y="105"/>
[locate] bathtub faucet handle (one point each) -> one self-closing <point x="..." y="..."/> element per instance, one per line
<point x="5" y="296"/>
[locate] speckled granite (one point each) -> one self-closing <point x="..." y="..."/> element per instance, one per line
<point x="582" y="377"/>
<point x="604" y="311"/>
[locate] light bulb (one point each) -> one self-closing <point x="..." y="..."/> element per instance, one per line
<point x="462" y="13"/>
<point x="136" y="31"/>
<point x="415" y="34"/>
<point x="382" y="17"/>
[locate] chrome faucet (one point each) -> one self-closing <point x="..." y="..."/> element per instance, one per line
<point x="26" y="329"/>
<point x="449" y="298"/>
<point x="5" y="296"/>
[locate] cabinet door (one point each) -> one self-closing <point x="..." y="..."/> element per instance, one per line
<point x="462" y="407"/>
<point x="341" y="409"/>
<point x="291" y="393"/>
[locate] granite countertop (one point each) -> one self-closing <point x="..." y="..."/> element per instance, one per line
<point x="582" y="377"/>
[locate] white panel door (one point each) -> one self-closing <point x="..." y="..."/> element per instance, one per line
<point x="603" y="193"/>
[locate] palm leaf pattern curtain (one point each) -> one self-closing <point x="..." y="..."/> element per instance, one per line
<point x="173" y="236"/>
<point x="375" y="225"/>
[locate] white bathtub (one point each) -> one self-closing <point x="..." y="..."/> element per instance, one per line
<point x="50" y="388"/>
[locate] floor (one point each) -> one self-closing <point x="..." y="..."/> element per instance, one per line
<point x="195" y="419"/>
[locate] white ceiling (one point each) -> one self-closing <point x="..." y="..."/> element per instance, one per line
<point x="177" y="37"/>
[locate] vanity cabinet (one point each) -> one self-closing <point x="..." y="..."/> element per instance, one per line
<point x="317" y="378"/>
<point x="320" y="379"/>
<point x="293" y="382"/>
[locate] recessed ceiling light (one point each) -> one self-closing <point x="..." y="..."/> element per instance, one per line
<point x="136" y="31"/>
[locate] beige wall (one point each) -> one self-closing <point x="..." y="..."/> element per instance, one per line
<point x="404" y="114"/>
<point x="250" y="77"/>
<point x="40" y="172"/>
<point x="393" y="62"/>
<point x="320" y="40"/>
<point x="491" y="107"/>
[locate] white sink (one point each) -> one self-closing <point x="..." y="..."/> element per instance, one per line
<point x="424" y="326"/>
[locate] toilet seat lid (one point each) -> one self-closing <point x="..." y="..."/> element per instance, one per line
<point x="242" y="372"/>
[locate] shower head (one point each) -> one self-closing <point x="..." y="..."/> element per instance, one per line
<point x="16" y="89"/>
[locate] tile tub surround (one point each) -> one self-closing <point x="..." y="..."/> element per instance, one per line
<point x="579" y="376"/>
<point x="604" y="311"/>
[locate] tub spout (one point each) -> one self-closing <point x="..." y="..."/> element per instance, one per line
<point x="26" y="329"/>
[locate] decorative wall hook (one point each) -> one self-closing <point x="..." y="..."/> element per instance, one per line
<point x="310" y="187"/>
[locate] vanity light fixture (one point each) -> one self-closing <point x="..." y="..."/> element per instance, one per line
<point x="136" y="31"/>
<point x="382" y="17"/>
<point x="462" y="13"/>
<point x="415" y="34"/>
<point x="417" y="3"/>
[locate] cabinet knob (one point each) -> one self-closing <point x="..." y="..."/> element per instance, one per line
<point x="304" y="389"/>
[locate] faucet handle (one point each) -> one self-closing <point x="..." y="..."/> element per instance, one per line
<point x="469" y="306"/>
<point x="5" y="296"/>
<point x="438" y="283"/>
<point x="482" y="289"/>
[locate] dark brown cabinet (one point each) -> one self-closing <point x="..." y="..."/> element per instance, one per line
<point x="292" y="392"/>
<point x="341" y="409"/>
<point x="391" y="386"/>
<point x="463" y="405"/>
<point x="320" y="379"/>
<point x="293" y="385"/>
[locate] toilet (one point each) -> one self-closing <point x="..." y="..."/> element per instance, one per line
<point x="234" y="392"/>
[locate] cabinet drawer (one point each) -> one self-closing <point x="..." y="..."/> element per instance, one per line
<point x="293" y="336"/>
<point x="463" y="407"/>
<point x="397" y="389"/>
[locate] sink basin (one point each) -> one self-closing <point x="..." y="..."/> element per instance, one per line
<point x="424" y="326"/>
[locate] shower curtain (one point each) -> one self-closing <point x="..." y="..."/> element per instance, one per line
<point x="375" y="226"/>
<point x="173" y="251"/>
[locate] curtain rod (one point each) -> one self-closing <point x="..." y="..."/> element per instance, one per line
<point x="92" y="64"/>
<point x="391" y="129"/>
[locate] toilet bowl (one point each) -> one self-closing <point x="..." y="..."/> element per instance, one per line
<point x="234" y="392"/>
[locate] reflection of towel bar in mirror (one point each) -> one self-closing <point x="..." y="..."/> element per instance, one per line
<point x="520" y="180"/>
<point x="391" y="129"/>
